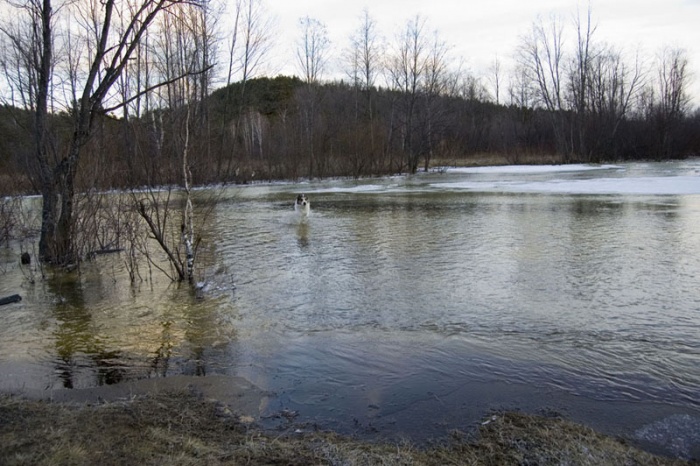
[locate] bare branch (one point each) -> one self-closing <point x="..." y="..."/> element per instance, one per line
<point x="154" y="87"/>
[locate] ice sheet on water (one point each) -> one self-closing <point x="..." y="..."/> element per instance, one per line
<point x="353" y="189"/>
<point x="662" y="185"/>
<point x="672" y="178"/>
<point x="529" y="168"/>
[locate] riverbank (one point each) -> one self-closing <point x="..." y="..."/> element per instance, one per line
<point x="495" y="159"/>
<point x="179" y="423"/>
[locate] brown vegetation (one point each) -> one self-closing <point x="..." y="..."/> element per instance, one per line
<point x="181" y="428"/>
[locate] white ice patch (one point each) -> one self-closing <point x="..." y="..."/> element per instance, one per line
<point x="670" y="185"/>
<point x="526" y="169"/>
<point x="353" y="189"/>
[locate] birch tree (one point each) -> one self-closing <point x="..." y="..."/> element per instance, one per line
<point x="181" y="47"/>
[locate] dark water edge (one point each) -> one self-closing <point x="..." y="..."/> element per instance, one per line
<point x="431" y="417"/>
<point x="430" y="421"/>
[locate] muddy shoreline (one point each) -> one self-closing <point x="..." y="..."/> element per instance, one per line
<point x="236" y="401"/>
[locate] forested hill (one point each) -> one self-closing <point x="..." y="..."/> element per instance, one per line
<point x="284" y="128"/>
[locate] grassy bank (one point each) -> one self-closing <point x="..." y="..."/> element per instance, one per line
<point x="185" y="429"/>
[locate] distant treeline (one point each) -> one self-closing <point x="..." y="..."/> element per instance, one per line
<point x="284" y="128"/>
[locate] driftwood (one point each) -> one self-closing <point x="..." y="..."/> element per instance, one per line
<point x="15" y="298"/>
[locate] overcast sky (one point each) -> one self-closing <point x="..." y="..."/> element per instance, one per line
<point x="478" y="31"/>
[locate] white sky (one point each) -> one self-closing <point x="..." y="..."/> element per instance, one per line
<point x="479" y="31"/>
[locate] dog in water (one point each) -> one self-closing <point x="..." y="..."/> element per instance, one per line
<point x="302" y="205"/>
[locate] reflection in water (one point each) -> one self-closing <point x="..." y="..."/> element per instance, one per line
<point x="76" y="337"/>
<point x="164" y="351"/>
<point x="303" y="233"/>
<point x="101" y="331"/>
<point x="201" y="337"/>
<point x="191" y="333"/>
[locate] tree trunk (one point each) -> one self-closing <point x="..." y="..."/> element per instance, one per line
<point x="48" y="213"/>
<point x="56" y="243"/>
<point x="65" y="248"/>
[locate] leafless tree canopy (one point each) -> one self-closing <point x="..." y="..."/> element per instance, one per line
<point x="312" y="49"/>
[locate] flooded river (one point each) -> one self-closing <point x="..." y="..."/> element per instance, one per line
<point x="408" y="306"/>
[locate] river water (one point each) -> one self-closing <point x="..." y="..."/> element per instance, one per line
<point x="408" y="306"/>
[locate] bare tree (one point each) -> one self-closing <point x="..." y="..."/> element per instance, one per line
<point x="250" y="42"/>
<point x="257" y="41"/>
<point x="363" y="57"/>
<point x="181" y="47"/>
<point x="113" y="31"/>
<point x="520" y="89"/>
<point x="541" y="57"/>
<point x="435" y="85"/>
<point x="225" y="147"/>
<point x="21" y="37"/>
<point x="612" y="86"/>
<point x="417" y="69"/>
<point x="495" y="78"/>
<point x="257" y="28"/>
<point x="407" y="68"/>
<point x="673" y="97"/>
<point x="312" y="56"/>
<point x="312" y="49"/>
<point x="365" y="53"/>
<point x="673" y="82"/>
<point x="578" y="82"/>
<point x="32" y="42"/>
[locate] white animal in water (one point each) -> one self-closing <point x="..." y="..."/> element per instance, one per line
<point x="302" y="205"/>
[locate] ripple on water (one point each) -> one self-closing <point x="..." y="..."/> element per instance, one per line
<point x="403" y="289"/>
<point x="678" y="433"/>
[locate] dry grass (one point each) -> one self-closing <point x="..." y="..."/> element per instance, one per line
<point x="182" y="429"/>
<point x="495" y="159"/>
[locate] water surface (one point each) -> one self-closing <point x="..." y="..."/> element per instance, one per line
<point x="439" y="296"/>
